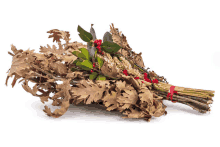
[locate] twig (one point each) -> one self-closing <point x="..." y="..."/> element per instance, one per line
<point x="195" y="104"/>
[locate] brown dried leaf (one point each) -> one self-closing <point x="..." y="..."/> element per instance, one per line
<point x="129" y="96"/>
<point x="75" y="74"/>
<point x="139" y="60"/>
<point x="64" y="91"/>
<point x="20" y="66"/>
<point x="110" y="101"/>
<point x="56" y="35"/>
<point x="146" y="96"/>
<point x="109" y="70"/>
<point x="66" y="36"/>
<point x="54" y="50"/>
<point x="28" y="89"/>
<point x="119" y="38"/>
<point x="120" y="86"/>
<point x="135" y="82"/>
<point x="88" y="91"/>
<point x="134" y="114"/>
<point x="58" y="67"/>
<point x="44" y="99"/>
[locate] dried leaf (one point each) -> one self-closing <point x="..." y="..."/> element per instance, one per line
<point x="56" y="35"/>
<point x="129" y="96"/>
<point x="146" y="96"/>
<point x="110" y="100"/>
<point x="138" y="60"/>
<point x="88" y="91"/>
<point x="134" y="114"/>
<point x="58" y="67"/>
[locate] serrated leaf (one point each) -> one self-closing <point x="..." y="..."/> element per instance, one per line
<point x="84" y="35"/>
<point x="85" y="52"/>
<point x="92" y="31"/>
<point x="93" y="75"/>
<point x="86" y="64"/>
<point x="110" y="47"/>
<point x="100" y="77"/>
<point x="107" y="37"/>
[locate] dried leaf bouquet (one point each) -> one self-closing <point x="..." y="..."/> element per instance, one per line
<point x="105" y="72"/>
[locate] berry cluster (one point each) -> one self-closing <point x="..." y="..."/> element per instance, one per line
<point x="148" y="80"/>
<point x="98" y="43"/>
<point x="145" y="77"/>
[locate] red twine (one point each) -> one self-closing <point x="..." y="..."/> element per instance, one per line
<point x="171" y="93"/>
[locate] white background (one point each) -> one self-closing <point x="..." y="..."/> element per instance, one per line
<point x="179" y="40"/>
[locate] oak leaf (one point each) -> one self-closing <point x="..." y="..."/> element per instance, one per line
<point x="110" y="100"/>
<point x="88" y="91"/>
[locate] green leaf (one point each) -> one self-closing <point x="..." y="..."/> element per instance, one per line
<point x="93" y="75"/>
<point x="76" y="61"/>
<point x="86" y="64"/>
<point x="100" y="77"/>
<point x="100" y="61"/>
<point x="74" y="69"/>
<point x="80" y="55"/>
<point x="110" y="47"/>
<point x="84" y="35"/>
<point x="85" y="52"/>
<point x="95" y="53"/>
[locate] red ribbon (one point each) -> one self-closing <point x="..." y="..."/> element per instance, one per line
<point x="171" y="93"/>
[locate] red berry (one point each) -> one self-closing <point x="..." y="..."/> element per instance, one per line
<point x="125" y="72"/>
<point x="148" y="80"/>
<point x="91" y="70"/>
<point x="155" y="81"/>
<point x="103" y="53"/>
<point x="98" y="47"/>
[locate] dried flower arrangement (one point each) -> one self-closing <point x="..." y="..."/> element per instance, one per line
<point x="105" y="72"/>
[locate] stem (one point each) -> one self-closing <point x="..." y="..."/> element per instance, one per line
<point x="197" y="103"/>
<point x="145" y="70"/>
